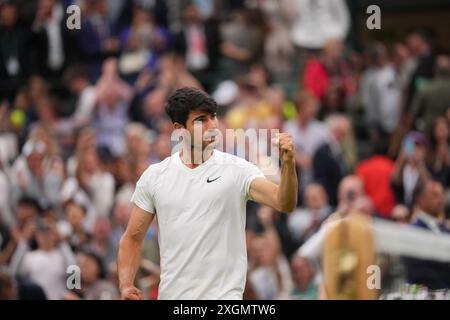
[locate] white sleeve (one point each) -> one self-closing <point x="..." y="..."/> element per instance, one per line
<point x="313" y="247"/>
<point x="143" y="194"/>
<point x="19" y="261"/>
<point x="85" y="106"/>
<point x="247" y="173"/>
<point x="102" y="190"/>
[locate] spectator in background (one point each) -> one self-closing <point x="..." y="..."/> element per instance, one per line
<point x="254" y="107"/>
<point x="52" y="43"/>
<point x="20" y="115"/>
<point x="26" y="212"/>
<point x="329" y="162"/>
<point x="153" y="112"/>
<point x="351" y="200"/>
<point x="303" y="223"/>
<point x="12" y="289"/>
<point x="199" y="43"/>
<point x="38" y="88"/>
<point x="410" y="168"/>
<point x="96" y="182"/>
<point x="174" y="74"/>
<point x="61" y="129"/>
<point x="94" y="286"/>
<point x="110" y="80"/>
<point x="438" y="156"/>
<point x="119" y="12"/>
<point x="137" y="141"/>
<point x="405" y="66"/>
<point x="328" y="78"/>
<point x="122" y="172"/>
<point x="102" y="243"/>
<point x="162" y="148"/>
<point x="77" y="79"/>
<point x="272" y="96"/>
<point x="73" y="226"/>
<point x="375" y="173"/>
<point x="111" y="115"/>
<point x="242" y="42"/>
<point x="14" y="60"/>
<point x="430" y="202"/>
<point x="32" y="175"/>
<point x="39" y="132"/>
<point x="381" y="94"/>
<point x="303" y="274"/>
<point x="318" y="21"/>
<point x="142" y="43"/>
<point x="86" y="139"/>
<point x="8" y="289"/>
<point x="270" y="276"/>
<point x="120" y="216"/>
<point x="419" y="44"/>
<point x="48" y="264"/>
<point x="110" y="120"/>
<point x="6" y="215"/>
<point x="350" y="189"/>
<point x="7" y="243"/>
<point x="309" y="135"/>
<point x="98" y="36"/>
<point x="87" y="182"/>
<point x="433" y="99"/>
<point x="279" y="50"/>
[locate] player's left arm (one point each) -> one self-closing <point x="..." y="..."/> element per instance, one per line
<point x="281" y="197"/>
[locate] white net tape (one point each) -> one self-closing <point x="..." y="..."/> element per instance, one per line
<point x="405" y="240"/>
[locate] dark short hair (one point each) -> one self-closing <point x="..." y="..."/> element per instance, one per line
<point x="423" y="34"/>
<point x="76" y="72"/>
<point x="30" y="202"/>
<point x="421" y="187"/>
<point x="72" y="201"/>
<point x="186" y="100"/>
<point x="90" y="253"/>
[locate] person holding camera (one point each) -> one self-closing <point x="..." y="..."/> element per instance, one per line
<point x="47" y="265"/>
<point x="410" y="168"/>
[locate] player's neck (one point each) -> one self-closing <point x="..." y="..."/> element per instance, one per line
<point x="192" y="158"/>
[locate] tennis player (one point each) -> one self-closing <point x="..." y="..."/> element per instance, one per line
<point x="199" y="199"/>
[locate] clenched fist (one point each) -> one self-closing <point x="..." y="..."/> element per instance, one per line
<point x="131" y="293"/>
<point x="286" y="145"/>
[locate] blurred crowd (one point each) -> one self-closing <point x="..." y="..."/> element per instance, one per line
<point x="82" y="116"/>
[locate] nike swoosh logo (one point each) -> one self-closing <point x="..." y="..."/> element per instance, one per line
<point x="209" y="181"/>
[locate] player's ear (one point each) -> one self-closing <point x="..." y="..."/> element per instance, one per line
<point x="177" y="126"/>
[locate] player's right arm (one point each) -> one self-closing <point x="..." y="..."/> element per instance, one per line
<point x="130" y="248"/>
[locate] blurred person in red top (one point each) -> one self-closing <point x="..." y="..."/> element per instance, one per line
<point x="328" y="77"/>
<point x="375" y="173"/>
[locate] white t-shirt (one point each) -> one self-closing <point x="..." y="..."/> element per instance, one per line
<point x="201" y="218"/>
